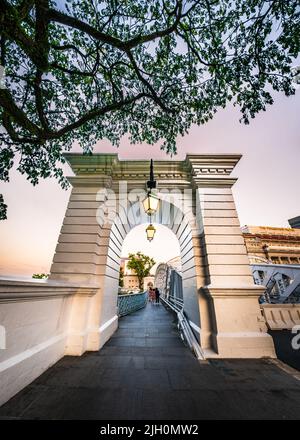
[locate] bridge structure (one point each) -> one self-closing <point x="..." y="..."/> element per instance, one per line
<point x="169" y="282"/>
<point x="281" y="281"/>
<point x="75" y="310"/>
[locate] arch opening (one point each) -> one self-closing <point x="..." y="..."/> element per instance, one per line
<point x="168" y="217"/>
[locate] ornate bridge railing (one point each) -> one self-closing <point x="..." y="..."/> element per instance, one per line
<point x="131" y="302"/>
<point x="282" y="282"/>
<point x="281" y="316"/>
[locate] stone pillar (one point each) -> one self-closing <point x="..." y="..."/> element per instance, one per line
<point x="81" y="258"/>
<point x="238" y="328"/>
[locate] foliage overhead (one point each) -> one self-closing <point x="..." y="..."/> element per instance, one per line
<point x="141" y="264"/>
<point x="87" y="69"/>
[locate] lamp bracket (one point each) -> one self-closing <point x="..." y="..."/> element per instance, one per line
<point x="151" y="184"/>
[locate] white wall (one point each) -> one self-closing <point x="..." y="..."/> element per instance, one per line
<point x="35" y="316"/>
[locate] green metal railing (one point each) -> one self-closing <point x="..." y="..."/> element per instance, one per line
<point x="131" y="302"/>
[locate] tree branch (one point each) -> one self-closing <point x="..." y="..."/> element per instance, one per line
<point x="39" y="99"/>
<point x="92" y="114"/>
<point x="73" y="22"/>
<point x="11" y="28"/>
<point x="156" y="98"/>
<point x="7" y="102"/>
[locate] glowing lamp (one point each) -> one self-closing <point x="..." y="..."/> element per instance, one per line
<point x="150" y="204"/>
<point x="150" y="231"/>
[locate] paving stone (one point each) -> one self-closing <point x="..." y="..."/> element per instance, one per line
<point x="145" y="372"/>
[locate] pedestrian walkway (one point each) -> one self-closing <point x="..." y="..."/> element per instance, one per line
<point x="146" y="372"/>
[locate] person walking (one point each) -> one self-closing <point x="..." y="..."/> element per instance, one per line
<point x="151" y="295"/>
<point x="157" y="295"/>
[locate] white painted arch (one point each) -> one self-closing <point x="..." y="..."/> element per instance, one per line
<point x="181" y="226"/>
<point x="220" y="296"/>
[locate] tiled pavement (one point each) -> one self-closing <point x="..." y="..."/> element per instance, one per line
<point x="145" y="372"/>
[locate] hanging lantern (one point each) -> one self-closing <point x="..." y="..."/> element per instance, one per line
<point x="150" y="231"/>
<point x="150" y="204"/>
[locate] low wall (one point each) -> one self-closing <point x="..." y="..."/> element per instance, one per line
<point x="281" y="316"/>
<point x="130" y="303"/>
<point x="34" y="320"/>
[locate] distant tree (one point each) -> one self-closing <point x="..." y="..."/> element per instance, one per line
<point x="3" y="208"/>
<point x="141" y="264"/>
<point x="40" y="275"/>
<point x="121" y="277"/>
<point x="85" y="70"/>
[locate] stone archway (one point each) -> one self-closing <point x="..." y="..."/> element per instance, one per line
<point x="169" y="215"/>
<point x="220" y="297"/>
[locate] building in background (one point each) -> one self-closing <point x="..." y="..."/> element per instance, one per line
<point x="267" y="244"/>
<point x="148" y="282"/>
<point x="130" y="279"/>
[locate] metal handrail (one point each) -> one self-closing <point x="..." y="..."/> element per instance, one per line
<point x="184" y="325"/>
<point x="173" y="299"/>
<point x="171" y="305"/>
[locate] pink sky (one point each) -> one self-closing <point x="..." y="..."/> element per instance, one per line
<point x="267" y="192"/>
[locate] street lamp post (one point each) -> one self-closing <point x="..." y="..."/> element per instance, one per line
<point x="150" y="203"/>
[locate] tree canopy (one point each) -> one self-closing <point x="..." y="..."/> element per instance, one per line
<point x="141" y="264"/>
<point x="85" y="70"/>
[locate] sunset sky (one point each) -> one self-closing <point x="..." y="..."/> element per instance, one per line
<point x="267" y="192"/>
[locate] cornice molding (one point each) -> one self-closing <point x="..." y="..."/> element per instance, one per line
<point x="192" y="167"/>
<point x="214" y="181"/>
<point x="211" y="164"/>
<point x="91" y="181"/>
<point x="214" y="291"/>
<point x="21" y="290"/>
